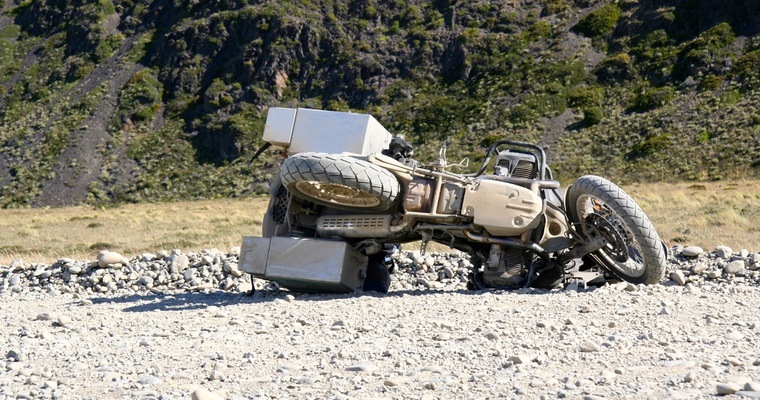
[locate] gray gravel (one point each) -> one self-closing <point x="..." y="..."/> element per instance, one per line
<point x="174" y="325"/>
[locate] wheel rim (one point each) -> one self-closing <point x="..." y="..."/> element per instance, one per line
<point x="335" y="193"/>
<point x="623" y="252"/>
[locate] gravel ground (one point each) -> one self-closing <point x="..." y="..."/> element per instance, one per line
<point x="70" y="335"/>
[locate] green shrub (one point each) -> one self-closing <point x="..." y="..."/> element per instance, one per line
<point x="10" y="32"/>
<point x="370" y="12"/>
<point x="746" y="68"/>
<point x="703" y="136"/>
<point x="107" y="47"/>
<point x="617" y="68"/>
<point x="539" y="30"/>
<point x="600" y="22"/>
<point x="711" y="82"/>
<point x="650" y="146"/>
<point x="706" y="53"/>
<point x="652" y="98"/>
<point x="731" y="97"/>
<point x="555" y="7"/>
<point x="592" y="116"/>
<point x="141" y="97"/>
<point x="585" y="96"/>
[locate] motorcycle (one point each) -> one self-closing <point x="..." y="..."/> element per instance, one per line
<point x="348" y="194"/>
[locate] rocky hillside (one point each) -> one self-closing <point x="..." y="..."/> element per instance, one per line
<point x="120" y="100"/>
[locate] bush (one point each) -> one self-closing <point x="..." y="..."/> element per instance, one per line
<point x="706" y="54"/>
<point x="651" y="146"/>
<point x="617" y="69"/>
<point x="539" y="30"/>
<point x="653" y="98"/>
<point x="746" y="68"/>
<point x="592" y="116"/>
<point x="600" y="22"/>
<point x="711" y="82"/>
<point x="585" y="96"/>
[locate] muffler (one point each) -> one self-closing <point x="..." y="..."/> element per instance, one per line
<point x="355" y="226"/>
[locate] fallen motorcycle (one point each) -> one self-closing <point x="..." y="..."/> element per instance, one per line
<point x="349" y="193"/>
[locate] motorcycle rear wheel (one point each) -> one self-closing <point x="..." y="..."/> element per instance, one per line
<point x="634" y="252"/>
<point x="339" y="181"/>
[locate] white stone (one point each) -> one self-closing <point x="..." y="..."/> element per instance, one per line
<point x="723" y="251"/>
<point x="589" y="346"/>
<point x="110" y="258"/>
<point x="727" y="388"/>
<point x="692" y="251"/>
<point x="203" y="394"/>
<point x="179" y="264"/>
<point x="678" y="277"/>
<point x="699" y="268"/>
<point x="735" y="267"/>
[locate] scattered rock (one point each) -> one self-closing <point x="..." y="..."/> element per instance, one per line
<point x="203" y="394"/>
<point x="723" y="252"/>
<point x="727" y="388"/>
<point x="678" y="277"/>
<point x="735" y="267"/>
<point x="589" y="346"/>
<point x="699" y="268"/>
<point x="362" y="367"/>
<point x="692" y="251"/>
<point x="110" y="258"/>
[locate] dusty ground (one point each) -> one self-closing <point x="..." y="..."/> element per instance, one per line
<point x="616" y="342"/>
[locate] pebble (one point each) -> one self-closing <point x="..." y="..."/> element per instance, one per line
<point x="589" y="347"/>
<point x="734" y="335"/>
<point x="723" y="252"/>
<point x="179" y="264"/>
<point x="519" y="359"/>
<point x="362" y="367"/>
<point x="692" y="251"/>
<point x="699" y="268"/>
<point x="109" y="258"/>
<point x="727" y="388"/>
<point x="678" y="277"/>
<point x="150" y="380"/>
<point x="203" y="394"/>
<point x="394" y="381"/>
<point x="536" y="369"/>
<point x="735" y="267"/>
<point x="43" y="317"/>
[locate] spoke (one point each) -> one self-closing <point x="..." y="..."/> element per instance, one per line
<point x="633" y="265"/>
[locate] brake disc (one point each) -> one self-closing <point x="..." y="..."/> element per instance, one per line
<point x="617" y="248"/>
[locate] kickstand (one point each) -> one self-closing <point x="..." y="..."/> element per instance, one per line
<point x="252" y="292"/>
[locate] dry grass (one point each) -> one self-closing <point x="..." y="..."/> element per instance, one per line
<point x="703" y="214"/>
<point x="44" y="235"/>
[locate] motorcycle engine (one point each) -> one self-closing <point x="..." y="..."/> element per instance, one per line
<point x="504" y="267"/>
<point x="516" y="164"/>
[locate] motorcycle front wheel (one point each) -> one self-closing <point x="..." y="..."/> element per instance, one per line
<point x="634" y="251"/>
<point x="338" y="181"/>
